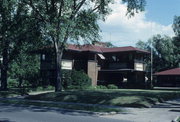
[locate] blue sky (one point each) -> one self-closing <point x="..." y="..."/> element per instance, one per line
<point x="162" y="11"/>
<point x="156" y="19"/>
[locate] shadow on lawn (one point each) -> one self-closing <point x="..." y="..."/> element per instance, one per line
<point x="107" y="97"/>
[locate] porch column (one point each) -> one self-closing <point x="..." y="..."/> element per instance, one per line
<point x="92" y="71"/>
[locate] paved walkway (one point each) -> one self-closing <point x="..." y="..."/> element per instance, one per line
<point x="162" y="112"/>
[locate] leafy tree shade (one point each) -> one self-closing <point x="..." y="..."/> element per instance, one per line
<point x="64" y="20"/>
<point x="163" y="52"/>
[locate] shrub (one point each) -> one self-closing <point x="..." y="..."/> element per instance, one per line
<point x="75" y="80"/>
<point x="112" y="86"/>
<point x="66" y="78"/>
<point x="12" y="83"/>
<point x="101" y="87"/>
<point x="40" y="88"/>
<point x="50" y="87"/>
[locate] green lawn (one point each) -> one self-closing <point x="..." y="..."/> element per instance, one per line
<point x="120" y="97"/>
<point x="61" y="106"/>
<point x="178" y="119"/>
<point x="10" y="93"/>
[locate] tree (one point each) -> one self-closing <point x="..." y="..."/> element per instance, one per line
<point x="25" y="67"/>
<point x="10" y="23"/>
<point x="163" y="52"/>
<point x="176" y="39"/>
<point x="16" y="27"/>
<point x="67" y="20"/>
<point x="176" y="25"/>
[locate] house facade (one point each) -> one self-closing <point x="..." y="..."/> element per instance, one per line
<point x="118" y="65"/>
<point x="168" y="78"/>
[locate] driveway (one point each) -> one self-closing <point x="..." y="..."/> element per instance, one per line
<point x="162" y="112"/>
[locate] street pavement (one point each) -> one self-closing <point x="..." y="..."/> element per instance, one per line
<point x="162" y="112"/>
<point x="19" y="113"/>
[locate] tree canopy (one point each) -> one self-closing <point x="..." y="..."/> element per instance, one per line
<point x="164" y="56"/>
<point x="69" y="20"/>
<point x="16" y="29"/>
<point x="55" y="21"/>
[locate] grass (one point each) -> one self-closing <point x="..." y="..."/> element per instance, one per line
<point x="61" y="106"/>
<point x="117" y="97"/>
<point x="178" y="120"/>
<point x="120" y="97"/>
<point x="11" y="92"/>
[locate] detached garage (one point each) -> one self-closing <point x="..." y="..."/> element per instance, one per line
<point x="168" y="78"/>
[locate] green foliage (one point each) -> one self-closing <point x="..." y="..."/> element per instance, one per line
<point x="176" y="39"/>
<point x="75" y="80"/>
<point x="164" y="56"/>
<point x="12" y="83"/>
<point x="176" y="25"/>
<point x="55" y="21"/>
<point x="17" y="29"/>
<point x="25" y="68"/>
<point x="134" y="6"/>
<point x="80" y="80"/>
<point x="66" y="78"/>
<point x="101" y="87"/>
<point x="112" y="86"/>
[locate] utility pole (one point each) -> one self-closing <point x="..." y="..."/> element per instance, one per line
<point x="151" y="63"/>
<point x="151" y="84"/>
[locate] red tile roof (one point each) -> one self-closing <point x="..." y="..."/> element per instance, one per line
<point x="122" y="49"/>
<point x="87" y="47"/>
<point x="175" y="71"/>
<point x="99" y="49"/>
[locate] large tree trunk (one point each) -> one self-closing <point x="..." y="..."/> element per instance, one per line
<point x="20" y="82"/>
<point x="4" y="69"/>
<point x="58" y="84"/>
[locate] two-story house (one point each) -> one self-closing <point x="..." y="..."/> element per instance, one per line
<point x="110" y="65"/>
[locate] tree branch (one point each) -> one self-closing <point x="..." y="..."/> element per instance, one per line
<point x="77" y="8"/>
<point x="97" y="7"/>
<point x="47" y="8"/>
<point x="35" y="9"/>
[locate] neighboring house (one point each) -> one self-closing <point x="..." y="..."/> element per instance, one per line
<point x="102" y="64"/>
<point x="168" y="78"/>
